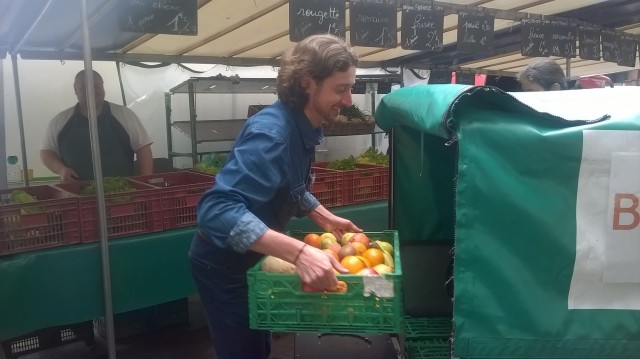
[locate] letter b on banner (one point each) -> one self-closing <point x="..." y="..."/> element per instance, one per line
<point x="622" y="243"/>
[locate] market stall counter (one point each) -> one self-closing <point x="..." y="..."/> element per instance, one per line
<point x="63" y="285"/>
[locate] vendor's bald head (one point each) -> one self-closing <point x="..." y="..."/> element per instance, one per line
<point x="79" y="85"/>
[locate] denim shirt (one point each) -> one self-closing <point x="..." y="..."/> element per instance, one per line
<point x="264" y="182"/>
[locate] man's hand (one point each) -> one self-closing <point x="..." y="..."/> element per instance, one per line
<point x="316" y="268"/>
<point x="68" y="175"/>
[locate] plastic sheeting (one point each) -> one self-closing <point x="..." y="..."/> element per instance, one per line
<point x="526" y="198"/>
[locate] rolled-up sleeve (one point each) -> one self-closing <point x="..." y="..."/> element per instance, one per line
<point x="250" y="179"/>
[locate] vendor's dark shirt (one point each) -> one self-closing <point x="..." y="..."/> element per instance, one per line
<point x="116" y="154"/>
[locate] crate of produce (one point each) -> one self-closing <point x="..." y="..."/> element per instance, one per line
<point x="180" y="192"/>
<point x="370" y="304"/>
<point x="364" y="183"/>
<point x="37" y="217"/>
<point x="327" y="187"/>
<point x="428" y="349"/>
<point x="48" y="338"/>
<point x="132" y="207"/>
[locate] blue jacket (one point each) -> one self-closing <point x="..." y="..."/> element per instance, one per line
<point x="265" y="181"/>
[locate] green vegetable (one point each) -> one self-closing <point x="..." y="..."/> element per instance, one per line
<point x="352" y="112"/>
<point x="343" y="165"/>
<point x="373" y="157"/>
<point x="111" y="185"/>
<point x="211" y="163"/>
<point x="20" y="196"/>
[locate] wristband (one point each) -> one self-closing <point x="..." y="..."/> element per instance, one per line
<point x="295" y="260"/>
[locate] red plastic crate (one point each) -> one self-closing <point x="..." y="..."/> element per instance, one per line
<point x="54" y="220"/>
<point x="128" y="213"/>
<point x="327" y="187"/>
<point x="365" y="184"/>
<point x="180" y="194"/>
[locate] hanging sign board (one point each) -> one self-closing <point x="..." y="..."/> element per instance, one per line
<point x="535" y="37"/>
<point x="173" y="17"/>
<point x="422" y="27"/>
<point x="627" y="52"/>
<point x="439" y="76"/>
<point x="589" y="40"/>
<point x="609" y="46"/>
<point x="310" y="17"/>
<point x="475" y="32"/>
<point x="465" y="78"/>
<point x="563" y="40"/>
<point x="373" y="23"/>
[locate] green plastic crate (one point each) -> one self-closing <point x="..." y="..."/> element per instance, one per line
<point x="416" y="328"/>
<point x="277" y="303"/>
<point x="428" y="349"/>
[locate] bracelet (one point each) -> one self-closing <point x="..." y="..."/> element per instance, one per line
<point x="295" y="260"/>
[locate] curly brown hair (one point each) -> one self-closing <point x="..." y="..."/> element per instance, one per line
<point x="318" y="56"/>
<point x="544" y="72"/>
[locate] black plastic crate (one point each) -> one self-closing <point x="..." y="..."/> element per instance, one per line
<point x="49" y="338"/>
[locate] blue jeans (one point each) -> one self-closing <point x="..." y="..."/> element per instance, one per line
<point x="221" y="279"/>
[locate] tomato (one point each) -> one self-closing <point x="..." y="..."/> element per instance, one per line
<point x="313" y="240"/>
<point x="374" y="256"/>
<point x="353" y="264"/>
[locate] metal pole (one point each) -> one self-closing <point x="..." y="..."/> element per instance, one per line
<point x="124" y="99"/>
<point x="192" y="120"/>
<point x="167" y="113"/>
<point x="568" y="70"/>
<point x="373" y="89"/>
<point x="3" y="148"/>
<point x="97" y="171"/>
<point x="23" y="148"/>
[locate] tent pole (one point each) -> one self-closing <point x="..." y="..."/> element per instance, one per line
<point x="3" y="153"/>
<point x="23" y="148"/>
<point x="124" y="99"/>
<point x="97" y="171"/>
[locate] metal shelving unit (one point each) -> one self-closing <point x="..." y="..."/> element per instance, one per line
<point x="201" y="131"/>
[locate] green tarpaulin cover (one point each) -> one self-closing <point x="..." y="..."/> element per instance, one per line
<point x="542" y="210"/>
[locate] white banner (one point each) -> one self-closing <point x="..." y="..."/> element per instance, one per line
<point x="622" y="243"/>
<point x="598" y="246"/>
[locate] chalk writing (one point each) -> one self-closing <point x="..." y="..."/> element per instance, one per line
<point x="475" y="32"/>
<point x="422" y="27"/>
<point x="535" y="35"/>
<point x="159" y="16"/>
<point x="308" y="17"/>
<point x="373" y="23"/>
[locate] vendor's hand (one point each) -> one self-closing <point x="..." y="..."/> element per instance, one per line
<point x="339" y="226"/>
<point x="68" y="175"/>
<point x="315" y="268"/>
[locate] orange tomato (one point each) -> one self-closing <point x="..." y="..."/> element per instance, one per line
<point x="374" y="256"/>
<point x="313" y="240"/>
<point x="353" y="264"/>
<point x="359" y="247"/>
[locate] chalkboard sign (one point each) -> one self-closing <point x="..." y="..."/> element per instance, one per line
<point x="174" y="17"/>
<point x="609" y="46"/>
<point x="627" y="52"/>
<point x="422" y="27"/>
<point x="465" y="78"/>
<point x="475" y="32"/>
<point x="589" y="40"/>
<point x="439" y="76"/>
<point x="373" y="23"/>
<point x="534" y="36"/>
<point x="563" y="40"/>
<point x="310" y="17"/>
